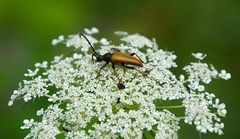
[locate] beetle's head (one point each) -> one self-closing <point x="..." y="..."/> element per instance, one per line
<point x="99" y="58"/>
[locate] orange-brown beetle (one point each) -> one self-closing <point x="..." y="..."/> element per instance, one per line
<point x="116" y="57"/>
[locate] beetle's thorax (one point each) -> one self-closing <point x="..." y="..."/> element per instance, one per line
<point x="107" y="57"/>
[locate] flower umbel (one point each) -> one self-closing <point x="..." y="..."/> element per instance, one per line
<point x="83" y="106"/>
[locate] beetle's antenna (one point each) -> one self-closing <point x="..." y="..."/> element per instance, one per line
<point x="80" y="34"/>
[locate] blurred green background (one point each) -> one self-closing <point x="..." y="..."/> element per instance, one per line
<point x="212" y="27"/>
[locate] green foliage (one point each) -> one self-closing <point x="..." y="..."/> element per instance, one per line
<point x="27" y="28"/>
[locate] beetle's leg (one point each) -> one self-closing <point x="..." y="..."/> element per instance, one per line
<point x="130" y="67"/>
<point x="120" y="84"/>
<point x="113" y="66"/>
<point x="102" y="68"/>
<point x="134" y="54"/>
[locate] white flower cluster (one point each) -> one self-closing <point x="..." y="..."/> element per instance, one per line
<point x="202" y="73"/>
<point x="83" y="106"/>
<point x="198" y="111"/>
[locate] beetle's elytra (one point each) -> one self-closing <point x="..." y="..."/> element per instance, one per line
<point x="118" y="57"/>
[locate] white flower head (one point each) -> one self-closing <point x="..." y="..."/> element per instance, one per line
<point x="120" y="33"/>
<point x="198" y="112"/>
<point x="58" y="40"/>
<point x="27" y="124"/>
<point x="199" y="56"/>
<point x="91" y="31"/>
<point x="128" y="102"/>
<point x="224" y="75"/>
<point x="104" y="41"/>
<point x="137" y="40"/>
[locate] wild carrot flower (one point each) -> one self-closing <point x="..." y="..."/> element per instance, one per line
<point x="83" y="106"/>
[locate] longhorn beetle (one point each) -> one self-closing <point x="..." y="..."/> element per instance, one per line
<point x="116" y="57"/>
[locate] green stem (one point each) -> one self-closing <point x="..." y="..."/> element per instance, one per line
<point x="169" y="107"/>
<point x="181" y="118"/>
